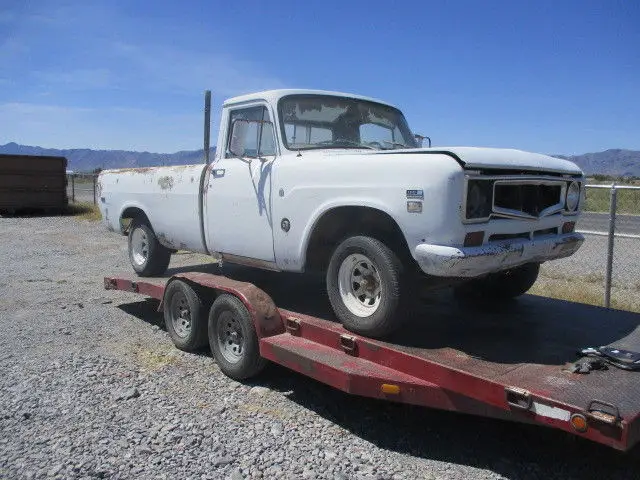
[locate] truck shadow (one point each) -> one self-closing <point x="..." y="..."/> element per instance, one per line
<point x="510" y="449"/>
<point x="529" y="329"/>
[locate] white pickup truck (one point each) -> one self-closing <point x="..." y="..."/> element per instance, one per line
<point x="307" y="180"/>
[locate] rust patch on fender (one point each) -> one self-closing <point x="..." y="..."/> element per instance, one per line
<point x="166" y="182"/>
<point x="164" y="240"/>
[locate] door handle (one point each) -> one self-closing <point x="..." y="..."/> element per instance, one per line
<point x="217" y="172"/>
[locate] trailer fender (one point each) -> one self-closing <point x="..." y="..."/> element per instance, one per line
<point x="266" y="316"/>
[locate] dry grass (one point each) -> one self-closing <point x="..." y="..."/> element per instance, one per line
<point x="156" y="360"/>
<point x="84" y="211"/>
<point x="598" y="200"/>
<point x="588" y="289"/>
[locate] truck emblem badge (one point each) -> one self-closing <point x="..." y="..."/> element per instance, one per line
<point x="285" y="224"/>
<point x="415" y="194"/>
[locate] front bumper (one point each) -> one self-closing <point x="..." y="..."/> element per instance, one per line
<point x="443" y="261"/>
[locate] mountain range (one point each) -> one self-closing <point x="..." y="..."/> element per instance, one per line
<point x="614" y="162"/>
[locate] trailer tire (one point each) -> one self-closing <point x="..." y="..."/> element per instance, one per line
<point x="500" y="286"/>
<point x="365" y="282"/>
<point x="184" y="316"/>
<point x="147" y="256"/>
<point x="233" y="339"/>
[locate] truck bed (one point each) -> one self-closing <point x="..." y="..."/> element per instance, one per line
<point x="526" y="343"/>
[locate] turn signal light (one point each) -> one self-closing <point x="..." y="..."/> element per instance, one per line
<point x="473" y="239"/>
<point x="568" y="227"/>
<point x="579" y="422"/>
<point x="390" y="389"/>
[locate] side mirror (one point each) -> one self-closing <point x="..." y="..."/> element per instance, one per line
<point x="420" y="139"/>
<point x="251" y="138"/>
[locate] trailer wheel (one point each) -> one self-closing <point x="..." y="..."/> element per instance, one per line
<point x="147" y="256"/>
<point x="233" y="339"/>
<point x="183" y="316"/>
<point x="502" y="285"/>
<point x="364" y="286"/>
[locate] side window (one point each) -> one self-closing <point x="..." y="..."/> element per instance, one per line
<point x="249" y="136"/>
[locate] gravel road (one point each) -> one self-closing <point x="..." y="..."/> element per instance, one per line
<point x="91" y="387"/>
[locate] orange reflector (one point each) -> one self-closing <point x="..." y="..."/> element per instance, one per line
<point x="568" y="227"/>
<point x="473" y="239"/>
<point x="579" y="422"/>
<point x="390" y="389"/>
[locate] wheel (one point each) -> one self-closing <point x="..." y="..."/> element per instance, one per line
<point x="502" y="285"/>
<point x="233" y="340"/>
<point x="364" y="285"/>
<point x="147" y="256"/>
<point x="184" y="316"/>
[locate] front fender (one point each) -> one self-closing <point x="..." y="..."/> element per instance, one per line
<point x="332" y="204"/>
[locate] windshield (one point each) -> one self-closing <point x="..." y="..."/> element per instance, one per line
<point x="324" y="121"/>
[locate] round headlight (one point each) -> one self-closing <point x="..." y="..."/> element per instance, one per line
<point x="573" y="196"/>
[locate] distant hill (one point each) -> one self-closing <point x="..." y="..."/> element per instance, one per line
<point x="615" y="162"/>
<point x="86" y="160"/>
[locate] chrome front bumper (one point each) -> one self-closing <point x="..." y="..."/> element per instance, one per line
<point x="443" y="261"/>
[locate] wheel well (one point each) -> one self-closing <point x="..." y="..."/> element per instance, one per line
<point x="129" y="214"/>
<point x="341" y="222"/>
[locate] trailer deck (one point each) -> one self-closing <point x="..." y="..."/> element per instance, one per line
<point x="509" y="361"/>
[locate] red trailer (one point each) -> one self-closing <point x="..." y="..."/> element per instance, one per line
<point x="509" y="362"/>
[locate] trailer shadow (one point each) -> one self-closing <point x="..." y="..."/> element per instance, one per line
<point x="510" y="449"/>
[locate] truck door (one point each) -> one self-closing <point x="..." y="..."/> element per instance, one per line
<point x="237" y="201"/>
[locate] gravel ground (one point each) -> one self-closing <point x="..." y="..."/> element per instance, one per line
<point x="91" y="387"/>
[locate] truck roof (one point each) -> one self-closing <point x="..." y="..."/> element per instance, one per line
<point x="272" y="96"/>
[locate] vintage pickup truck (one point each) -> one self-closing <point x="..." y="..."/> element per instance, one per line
<point x="327" y="182"/>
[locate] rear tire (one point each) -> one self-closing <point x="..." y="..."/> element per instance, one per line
<point x="147" y="256"/>
<point x="184" y="316"/>
<point x="365" y="284"/>
<point x="502" y="285"/>
<point x="233" y="339"/>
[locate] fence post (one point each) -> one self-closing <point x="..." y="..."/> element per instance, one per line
<point x="94" y="189"/>
<point x="73" y="187"/>
<point x="612" y="232"/>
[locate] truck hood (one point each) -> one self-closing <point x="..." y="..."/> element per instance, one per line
<point x="498" y="158"/>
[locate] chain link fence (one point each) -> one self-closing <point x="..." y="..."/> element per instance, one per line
<point x="606" y="270"/>
<point x="81" y="188"/>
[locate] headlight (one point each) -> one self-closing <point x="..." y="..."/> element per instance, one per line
<point x="573" y="196"/>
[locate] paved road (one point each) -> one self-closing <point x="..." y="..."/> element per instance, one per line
<point x="599" y="222"/>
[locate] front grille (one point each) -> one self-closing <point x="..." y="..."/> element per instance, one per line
<point x="519" y="197"/>
<point x="529" y="199"/>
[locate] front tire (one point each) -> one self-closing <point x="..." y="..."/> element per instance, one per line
<point x="502" y="285"/>
<point x="364" y="284"/>
<point x="233" y="339"/>
<point x="147" y="256"/>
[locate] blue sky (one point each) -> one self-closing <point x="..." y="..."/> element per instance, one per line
<point x="559" y="76"/>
